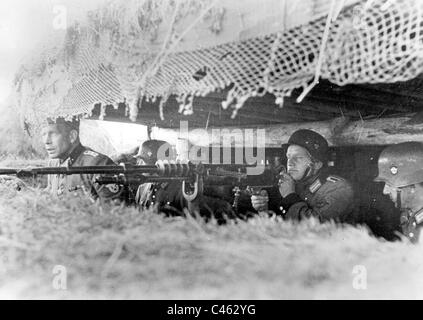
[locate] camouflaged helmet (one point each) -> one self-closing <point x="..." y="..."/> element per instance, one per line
<point x="150" y="148"/>
<point x="313" y="142"/>
<point x="72" y="123"/>
<point x="401" y="165"/>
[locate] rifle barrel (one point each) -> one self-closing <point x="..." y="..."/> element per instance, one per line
<point x="80" y="170"/>
<point x="8" y="171"/>
<point x="161" y="169"/>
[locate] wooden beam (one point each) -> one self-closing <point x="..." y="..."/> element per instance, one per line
<point x="338" y="132"/>
<point x="267" y="103"/>
<point x="362" y="101"/>
<point x="401" y="89"/>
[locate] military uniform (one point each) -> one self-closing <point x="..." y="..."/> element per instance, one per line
<point x="400" y="166"/>
<point x="326" y="198"/>
<point x="166" y="195"/>
<point x="169" y="199"/>
<point x="82" y="183"/>
<point x="411" y="224"/>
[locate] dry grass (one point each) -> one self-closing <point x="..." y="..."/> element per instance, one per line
<point x="14" y="141"/>
<point x="117" y="252"/>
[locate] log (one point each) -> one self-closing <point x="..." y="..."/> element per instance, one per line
<point x="339" y="132"/>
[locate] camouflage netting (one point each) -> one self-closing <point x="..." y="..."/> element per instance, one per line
<point x="105" y="60"/>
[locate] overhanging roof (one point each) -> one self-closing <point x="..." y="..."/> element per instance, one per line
<point x="324" y="102"/>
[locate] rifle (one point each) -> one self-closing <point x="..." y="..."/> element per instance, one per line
<point x="193" y="176"/>
<point x="198" y="175"/>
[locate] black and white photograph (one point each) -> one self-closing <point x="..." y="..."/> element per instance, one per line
<point x="211" y="150"/>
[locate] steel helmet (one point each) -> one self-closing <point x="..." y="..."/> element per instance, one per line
<point x="149" y="150"/>
<point x="401" y="165"/>
<point x="313" y="142"/>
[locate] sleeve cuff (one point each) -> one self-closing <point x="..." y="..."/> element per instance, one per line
<point x="289" y="200"/>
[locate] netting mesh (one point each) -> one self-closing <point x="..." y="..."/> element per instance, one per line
<point x="371" y="42"/>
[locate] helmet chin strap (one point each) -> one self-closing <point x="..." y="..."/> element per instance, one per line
<point x="399" y="204"/>
<point x="308" y="172"/>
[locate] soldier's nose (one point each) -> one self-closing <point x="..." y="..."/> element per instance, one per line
<point x="385" y="190"/>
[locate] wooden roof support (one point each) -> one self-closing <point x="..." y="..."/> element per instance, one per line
<point x="339" y="132"/>
<point x="372" y="96"/>
<point x="361" y="100"/>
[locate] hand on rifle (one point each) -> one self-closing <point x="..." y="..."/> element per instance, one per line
<point x="260" y="202"/>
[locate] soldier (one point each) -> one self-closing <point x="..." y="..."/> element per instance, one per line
<point x="168" y="195"/>
<point x="61" y="141"/>
<point x="401" y="169"/>
<point x="306" y="189"/>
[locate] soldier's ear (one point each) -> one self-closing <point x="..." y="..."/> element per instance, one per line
<point x="73" y="136"/>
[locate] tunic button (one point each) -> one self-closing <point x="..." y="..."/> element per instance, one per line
<point x="168" y="203"/>
<point x="411" y="235"/>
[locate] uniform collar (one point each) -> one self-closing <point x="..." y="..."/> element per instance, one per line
<point x="313" y="183"/>
<point x="76" y="152"/>
<point x="418" y="216"/>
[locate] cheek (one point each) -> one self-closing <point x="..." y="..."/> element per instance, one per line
<point x="61" y="141"/>
<point x="297" y="175"/>
<point x="301" y="167"/>
<point x="408" y="197"/>
<point x="55" y="141"/>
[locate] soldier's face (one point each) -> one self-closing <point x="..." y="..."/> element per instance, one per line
<point x="299" y="161"/>
<point x="411" y="196"/>
<point x="57" y="141"/>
